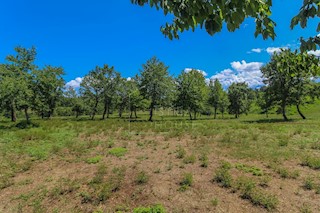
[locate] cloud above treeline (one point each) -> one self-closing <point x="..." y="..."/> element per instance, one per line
<point x="74" y="83"/>
<point x="241" y="72"/>
<point x="314" y="52"/>
<point x="269" y="50"/>
<point x="201" y="71"/>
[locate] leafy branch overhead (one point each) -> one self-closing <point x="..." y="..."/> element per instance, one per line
<point x="212" y="14"/>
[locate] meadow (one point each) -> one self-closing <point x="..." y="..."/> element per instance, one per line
<point x="251" y="164"/>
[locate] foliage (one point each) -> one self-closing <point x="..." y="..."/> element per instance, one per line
<point x="192" y="92"/>
<point x="213" y="14"/>
<point x="153" y="209"/>
<point x="240" y="97"/>
<point x="118" y="151"/>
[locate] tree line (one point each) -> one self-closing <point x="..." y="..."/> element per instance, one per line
<point x="25" y="88"/>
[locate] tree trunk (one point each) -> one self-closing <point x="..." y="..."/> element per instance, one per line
<point x="151" y="113"/>
<point x="131" y="113"/>
<point x="195" y="115"/>
<point x="300" y="113"/>
<point x="215" y="113"/>
<point x="190" y="115"/>
<point x="77" y="114"/>
<point x="105" y="110"/>
<point x="120" y="112"/>
<point x="222" y="113"/>
<point x="13" y="113"/>
<point x="26" y="114"/>
<point x="135" y="113"/>
<point x="284" y="112"/>
<point x="94" y="109"/>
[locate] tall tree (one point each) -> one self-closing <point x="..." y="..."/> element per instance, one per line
<point x="288" y="77"/>
<point x="192" y="92"/>
<point x="224" y="103"/>
<point x="16" y="81"/>
<point x="110" y="84"/>
<point x="91" y="88"/>
<point x="240" y="99"/>
<point x="216" y="91"/>
<point x="212" y="14"/>
<point x="47" y="86"/>
<point x="154" y="83"/>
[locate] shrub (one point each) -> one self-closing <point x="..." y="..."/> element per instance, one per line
<point x="313" y="163"/>
<point x="204" y="160"/>
<point x="309" y="183"/>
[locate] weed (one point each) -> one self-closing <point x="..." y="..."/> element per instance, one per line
<point x="181" y="152"/>
<point x="153" y="209"/>
<point x="313" y="163"/>
<point x="142" y="178"/>
<point x="118" y="151"/>
<point x="186" y="182"/>
<point x="189" y="159"/>
<point x="222" y="175"/>
<point x="249" y="169"/>
<point x="94" y="160"/>
<point x="309" y="183"/>
<point x="315" y="145"/>
<point x="204" y="160"/>
<point x="214" y="202"/>
<point x="305" y="208"/>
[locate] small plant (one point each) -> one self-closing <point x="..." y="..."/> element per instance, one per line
<point x="222" y="175"/>
<point x="142" y="178"/>
<point x="309" y="183"/>
<point x="204" y="160"/>
<point x="181" y="152"/>
<point x="118" y="151"/>
<point x="313" y="163"/>
<point x="305" y="208"/>
<point x="99" y="175"/>
<point x="110" y="143"/>
<point x="153" y="209"/>
<point x="283" y="142"/>
<point x="186" y="182"/>
<point x="215" y="202"/>
<point x="94" y="160"/>
<point x="189" y="159"/>
<point x="284" y="173"/>
<point x="249" y="169"/>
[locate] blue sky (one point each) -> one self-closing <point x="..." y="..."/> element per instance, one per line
<point x="78" y="35"/>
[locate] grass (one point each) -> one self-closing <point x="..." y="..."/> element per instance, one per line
<point x="105" y="164"/>
<point x="118" y="151"/>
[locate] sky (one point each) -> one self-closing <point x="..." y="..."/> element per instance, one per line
<point x="79" y="35"/>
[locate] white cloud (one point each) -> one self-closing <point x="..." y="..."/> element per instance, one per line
<point x="314" y="52"/>
<point x="272" y="50"/>
<point x="241" y="72"/>
<point x="257" y="50"/>
<point x="186" y="70"/>
<point x="74" y="83"/>
<point x="129" y="79"/>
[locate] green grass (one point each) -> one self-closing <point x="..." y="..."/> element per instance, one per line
<point x="118" y="151"/>
<point x="94" y="160"/>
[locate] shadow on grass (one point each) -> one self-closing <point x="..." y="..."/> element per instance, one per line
<point x="273" y="120"/>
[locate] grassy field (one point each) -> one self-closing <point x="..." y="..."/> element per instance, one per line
<point x="252" y="164"/>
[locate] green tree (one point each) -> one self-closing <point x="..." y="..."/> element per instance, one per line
<point x="240" y="99"/>
<point x="288" y="77"/>
<point x="155" y="83"/>
<point x="110" y="84"/>
<point x="224" y="103"/>
<point x="73" y="100"/>
<point x="216" y="91"/>
<point x="16" y="81"/>
<point x="192" y="92"/>
<point x="47" y="88"/>
<point x="91" y="88"/>
<point x="212" y="14"/>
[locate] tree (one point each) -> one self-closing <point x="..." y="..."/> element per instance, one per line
<point x="91" y="88"/>
<point x="224" y="103"/>
<point x="73" y="100"/>
<point x="212" y="14"/>
<point x="288" y="77"/>
<point x="264" y="100"/>
<point x="216" y="91"/>
<point x="154" y="83"/>
<point x="47" y="87"/>
<point x="192" y="92"/>
<point x="110" y="84"/>
<point x="16" y="81"/>
<point x="240" y="99"/>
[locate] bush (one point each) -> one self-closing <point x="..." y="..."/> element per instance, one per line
<point x="181" y="152"/>
<point x="189" y="159"/>
<point x="222" y="175"/>
<point x="142" y="178"/>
